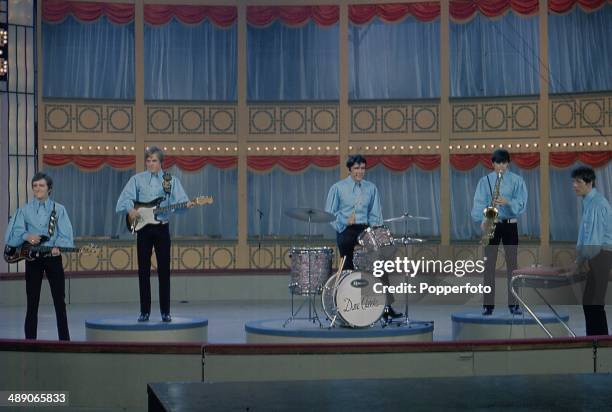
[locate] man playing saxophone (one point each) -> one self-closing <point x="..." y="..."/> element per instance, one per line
<point x="500" y="198"/>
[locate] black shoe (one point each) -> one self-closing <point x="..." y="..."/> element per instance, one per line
<point x="389" y="313"/>
<point x="144" y="317"/>
<point x="166" y="317"/>
<point x="515" y="310"/>
<point x="487" y="310"/>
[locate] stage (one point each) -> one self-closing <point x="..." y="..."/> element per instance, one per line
<point x="226" y="318"/>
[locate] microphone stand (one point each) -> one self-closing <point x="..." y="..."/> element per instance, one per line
<point x="260" y="213"/>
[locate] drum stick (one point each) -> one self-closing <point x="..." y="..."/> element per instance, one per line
<point x="336" y="287"/>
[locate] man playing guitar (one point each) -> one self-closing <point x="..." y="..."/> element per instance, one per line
<point x="43" y="222"/>
<point x="146" y="187"/>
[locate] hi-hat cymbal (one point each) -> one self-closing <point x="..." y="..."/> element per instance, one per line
<point x="405" y="216"/>
<point x="310" y="214"/>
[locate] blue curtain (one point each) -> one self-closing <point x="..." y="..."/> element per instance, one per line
<point x="580" y="50"/>
<point x="88" y="60"/>
<point x="463" y="186"/>
<point x="288" y="63"/>
<point x="414" y="191"/>
<point x="566" y="207"/>
<point x="494" y="57"/>
<point x="394" y="61"/>
<point x="278" y="190"/>
<point x="190" y="62"/>
<point x="218" y="220"/>
<point x="90" y="199"/>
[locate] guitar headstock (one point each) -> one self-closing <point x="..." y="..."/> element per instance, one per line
<point x="90" y="249"/>
<point x="203" y="200"/>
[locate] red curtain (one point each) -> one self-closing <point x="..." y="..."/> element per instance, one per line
<point x="593" y="159"/>
<point x="261" y="16"/>
<point x="465" y="162"/>
<point x="159" y="14"/>
<point x="325" y="15"/>
<point x="399" y="163"/>
<point x="563" y="6"/>
<point x="364" y="13"/>
<point x="194" y="163"/>
<point x="90" y="162"/>
<point x="290" y="163"/>
<point x="465" y="9"/>
<point x="55" y="11"/>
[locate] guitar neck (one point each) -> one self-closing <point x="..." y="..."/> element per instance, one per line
<point x="48" y="249"/>
<point x="164" y="209"/>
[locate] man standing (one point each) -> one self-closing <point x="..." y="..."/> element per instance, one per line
<point x="145" y="187"/>
<point x="594" y="247"/>
<point x="43" y="222"/>
<point x="510" y="200"/>
<point x="356" y="204"/>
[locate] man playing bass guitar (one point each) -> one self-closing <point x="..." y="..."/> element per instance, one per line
<point x="142" y="188"/>
<point x="43" y="223"/>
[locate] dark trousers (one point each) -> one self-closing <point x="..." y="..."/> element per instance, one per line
<point x="52" y="267"/>
<point x="595" y="294"/>
<point x="506" y="233"/>
<point x="347" y="240"/>
<point x="158" y="237"/>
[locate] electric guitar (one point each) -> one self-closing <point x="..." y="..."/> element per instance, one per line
<point x="28" y="251"/>
<point x="149" y="211"/>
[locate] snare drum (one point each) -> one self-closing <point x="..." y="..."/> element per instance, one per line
<point x="304" y="281"/>
<point x="375" y="238"/>
<point x="351" y="299"/>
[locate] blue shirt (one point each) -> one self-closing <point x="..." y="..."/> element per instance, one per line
<point x="347" y="196"/>
<point x="33" y="219"/>
<point x="145" y="187"/>
<point x="512" y="188"/>
<point x="595" y="227"/>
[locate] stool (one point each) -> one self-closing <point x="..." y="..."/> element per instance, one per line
<point x="543" y="277"/>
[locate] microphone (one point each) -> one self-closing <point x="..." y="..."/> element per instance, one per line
<point x="260" y="213"/>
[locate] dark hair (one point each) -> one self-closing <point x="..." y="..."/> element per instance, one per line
<point x="355" y="159"/>
<point x="500" y="156"/>
<point x="584" y="173"/>
<point x="42" y="176"/>
<point x="154" y="150"/>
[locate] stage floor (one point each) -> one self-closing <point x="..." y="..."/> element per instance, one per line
<point x="227" y="318"/>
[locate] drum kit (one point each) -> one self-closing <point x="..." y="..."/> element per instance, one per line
<point x="347" y="297"/>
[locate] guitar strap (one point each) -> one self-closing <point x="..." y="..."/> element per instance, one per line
<point x="52" y="222"/>
<point x="167" y="183"/>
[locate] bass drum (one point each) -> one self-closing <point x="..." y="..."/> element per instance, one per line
<point x="351" y="299"/>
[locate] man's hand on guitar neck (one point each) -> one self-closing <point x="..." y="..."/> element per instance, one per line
<point x="190" y="204"/>
<point x="133" y="214"/>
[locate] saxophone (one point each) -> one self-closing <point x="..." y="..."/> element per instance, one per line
<point x="491" y="213"/>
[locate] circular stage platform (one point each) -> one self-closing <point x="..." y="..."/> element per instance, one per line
<point x="304" y="331"/>
<point x="128" y="329"/>
<point x="502" y="325"/>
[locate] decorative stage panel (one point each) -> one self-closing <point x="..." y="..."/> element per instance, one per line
<point x="305" y="120"/>
<point x="190" y="121"/>
<point x="196" y="255"/>
<point x="580" y="115"/>
<point x="88" y="120"/>
<point x="499" y="117"/>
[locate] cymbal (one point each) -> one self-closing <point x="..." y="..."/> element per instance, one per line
<point x="405" y="216"/>
<point x="314" y="215"/>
